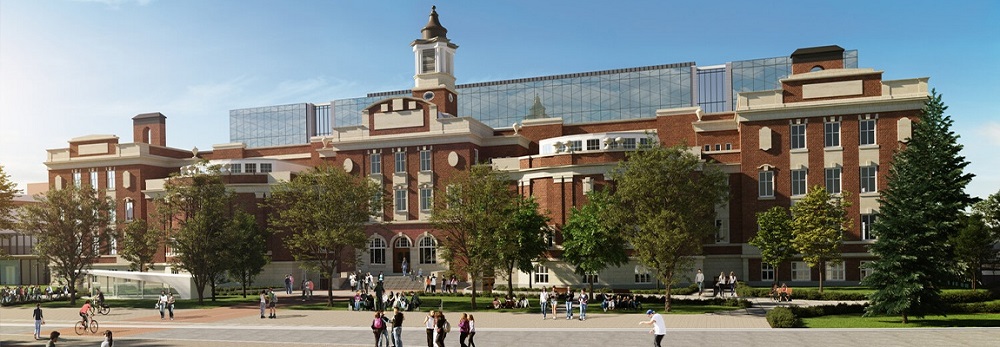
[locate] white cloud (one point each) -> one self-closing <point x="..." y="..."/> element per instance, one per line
<point x="990" y="132"/>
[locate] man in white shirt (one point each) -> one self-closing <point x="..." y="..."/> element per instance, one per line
<point x="659" y="326"/>
<point x="700" y="279"/>
<point x="543" y="300"/>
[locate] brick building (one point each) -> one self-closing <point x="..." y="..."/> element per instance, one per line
<point x="825" y="122"/>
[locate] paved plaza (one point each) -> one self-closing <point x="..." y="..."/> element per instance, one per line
<point x="242" y="327"/>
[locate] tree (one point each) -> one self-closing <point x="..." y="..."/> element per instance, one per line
<point x="139" y="244"/>
<point x="322" y="214"/>
<point x="974" y="247"/>
<point x="989" y="212"/>
<point x="818" y="224"/>
<point x="468" y="213"/>
<point x="8" y="190"/>
<point x="774" y="237"/>
<point x="195" y="209"/>
<point x="248" y="249"/>
<point x="69" y="226"/>
<point x="522" y="240"/>
<point x="590" y="242"/>
<point x="665" y="200"/>
<point x="920" y="209"/>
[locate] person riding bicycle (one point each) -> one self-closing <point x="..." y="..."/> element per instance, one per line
<point x="85" y="313"/>
<point x="100" y="298"/>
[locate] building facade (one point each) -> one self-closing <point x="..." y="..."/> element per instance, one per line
<point x="776" y="134"/>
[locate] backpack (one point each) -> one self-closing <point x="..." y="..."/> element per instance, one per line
<point x="378" y="323"/>
<point x="447" y="327"/>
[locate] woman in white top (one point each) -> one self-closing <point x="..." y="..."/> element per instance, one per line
<point x="429" y="323"/>
<point x="109" y="341"/>
<point x="472" y="331"/>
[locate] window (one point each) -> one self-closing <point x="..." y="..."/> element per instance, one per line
<point x="798" y="136"/>
<point x="425" y="160"/>
<point x="376" y="251"/>
<point x="377" y="202"/>
<point x="129" y="210"/>
<point x="77" y="179"/>
<point x="112" y="245"/>
<point x="766" y="272"/>
<point x="629" y="143"/>
<point x="642" y="275"/>
<point x="427" y="61"/>
<point x="590" y="277"/>
<point x="265" y="167"/>
<point x="831" y="134"/>
<point x="400" y="200"/>
<point x="593" y="144"/>
<point x="541" y="274"/>
<point x="400" y="161"/>
<point x="866" y="226"/>
<point x="93" y="179"/>
<point x="708" y="148"/>
<point x="835" y="271"/>
<point x="729" y="146"/>
<point x="868" y="179"/>
<point x="800" y="271"/>
<point x="718" y="147"/>
<point x="722" y="230"/>
<point x="96" y="245"/>
<point x="645" y="142"/>
<point x="113" y="215"/>
<point x="402" y="242"/>
<point x="428" y="250"/>
<point x="833" y="180"/>
<point x="111" y="179"/>
<point x="866" y="132"/>
<point x="766" y="187"/>
<point x="475" y="155"/>
<point x="376" y="163"/>
<point x="798" y="182"/>
<point x="425" y="199"/>
<point x="865" y="270"/>
<point x="236" y="168"/>
<point x="250" y="168"/>
<point x="574" y="146"/>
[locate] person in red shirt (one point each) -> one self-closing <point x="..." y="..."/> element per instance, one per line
<point x="85" y="312"/>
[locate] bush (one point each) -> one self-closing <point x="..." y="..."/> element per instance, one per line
<point x="976" y="307"/>
<point x="782" y="317"/>
<point x="966" y="296"/>
<point x="823" y="310"/>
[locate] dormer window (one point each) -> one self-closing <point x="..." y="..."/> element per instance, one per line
<point x="816" y="68"/>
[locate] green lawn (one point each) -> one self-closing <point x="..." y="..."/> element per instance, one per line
<point x="856" y="321"/>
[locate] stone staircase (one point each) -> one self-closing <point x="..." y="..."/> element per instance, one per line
<point x="402" y="283"/>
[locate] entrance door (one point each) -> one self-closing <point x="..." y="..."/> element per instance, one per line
<point x="398" y="254"/>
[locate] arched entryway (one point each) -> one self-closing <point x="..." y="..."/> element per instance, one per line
<point x="400" y="251"/>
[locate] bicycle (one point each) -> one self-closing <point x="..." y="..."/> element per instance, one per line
<point x="103" y="309"/>
<point x="80" y="328"/>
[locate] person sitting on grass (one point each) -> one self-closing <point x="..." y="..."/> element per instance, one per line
<point x="496" y="303"/>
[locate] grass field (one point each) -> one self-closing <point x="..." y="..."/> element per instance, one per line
<point x="856" y="321"/>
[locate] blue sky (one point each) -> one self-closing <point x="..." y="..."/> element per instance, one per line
<point x="82" y="67"/>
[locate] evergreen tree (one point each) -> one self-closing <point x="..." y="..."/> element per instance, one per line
<point x="920" y="209"/>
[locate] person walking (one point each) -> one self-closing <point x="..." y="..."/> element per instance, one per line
<point x="732" y="283"/>
<point x="378" y="327"/>
<point x="554" y="302"/>
<point x="170" y="305"/>
<point x="659" y="326"/>
<point x="39" y="320"/>
<point x="162" y="303"/>
<point x="463" y="329"/>
<point x="272" y="301"/>
<point x="472" y="331"/>
<point x="700" y="280"/>
<point x="443" y="327"/>
<point x="288" y="284"/>
<point x="405" y="266"/>
<point x="397" y="328"/>
<point x="569" y="303"/>
<point x="720" y="285"/>
<point x="584" y="298"/>
<point x="543" y="301"/>
<point x="429" y="324"/>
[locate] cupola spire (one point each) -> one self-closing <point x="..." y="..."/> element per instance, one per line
<point x="434" y="28"/>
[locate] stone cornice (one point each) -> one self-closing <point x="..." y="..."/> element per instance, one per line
<point x="835" y="107"/>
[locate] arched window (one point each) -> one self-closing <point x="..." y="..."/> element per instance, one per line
<point x="376" y="251"/>
<point x="428" y="250"/>
<point x="816" y="68"/>
<point x="402" y="242"/>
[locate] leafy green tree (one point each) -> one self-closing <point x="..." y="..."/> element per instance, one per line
<point x="665" y="199"/>
<point x="774" y="237"/>
<point x="522" y="241"/>
<point x="139" y="244"/>
<point x="989" y="212"/>
<point x="195" y="209"/>
<point x="818" y="224"/>
<point x="7" y="192"/>
<point x="920" y="210"/>
<point x="248" y="249"/>
<point x="974" y="247"/>
<point x="590" y="241"/>
<point x="469" y="211"/>
<point x="322" y="214"/>
<point x="69" y="226"/>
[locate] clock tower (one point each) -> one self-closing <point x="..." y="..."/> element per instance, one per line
<point x="434" y="62"/>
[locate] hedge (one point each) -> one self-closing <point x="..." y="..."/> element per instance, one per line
<point x="782" y="317"/>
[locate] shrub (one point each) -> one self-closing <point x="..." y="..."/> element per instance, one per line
<point x="966" y="296"/>
<point x="782" y="317"/>
<point x="823" y="310"/>
<point x="976" y="307"/>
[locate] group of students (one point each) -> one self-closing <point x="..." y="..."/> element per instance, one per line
<point x="370" y="302"/>
<point x="436" y="324"/>
<point x="449" y="285"/>
<point x="547" y="297"/>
